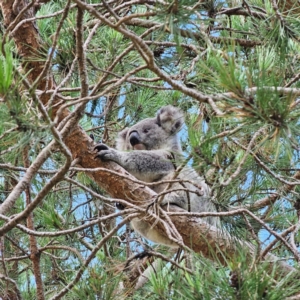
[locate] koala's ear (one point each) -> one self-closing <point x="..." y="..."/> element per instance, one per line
<point x="121" y="139"/>
<point x="170" y="118"/>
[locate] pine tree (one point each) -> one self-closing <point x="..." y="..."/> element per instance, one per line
<point x="69" y="69"/>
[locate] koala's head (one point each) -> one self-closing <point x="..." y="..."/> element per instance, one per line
<point x="154" y="133"/>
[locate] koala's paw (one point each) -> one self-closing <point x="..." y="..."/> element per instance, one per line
<point x="100" y="147"/>
<point x="120" y="206"/>
<point x="104" y="152"/>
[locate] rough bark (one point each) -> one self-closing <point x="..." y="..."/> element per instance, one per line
<point x="34" y="250"/>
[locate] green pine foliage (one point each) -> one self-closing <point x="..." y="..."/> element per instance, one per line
<point x="232" y="66"/>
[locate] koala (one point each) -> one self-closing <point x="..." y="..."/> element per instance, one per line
<point x="150" y="150"/>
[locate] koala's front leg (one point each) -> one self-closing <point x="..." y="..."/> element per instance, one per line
<point x="108" y="154"/>
<point x="148" y="166"/>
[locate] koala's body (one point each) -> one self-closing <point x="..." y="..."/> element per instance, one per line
<point x="150" y="151"/>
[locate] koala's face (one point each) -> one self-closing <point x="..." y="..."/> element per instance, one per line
<point x="147" y="135"/>
<point x="153" y="133"/>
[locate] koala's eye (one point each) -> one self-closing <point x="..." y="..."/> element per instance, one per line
<point x="177" y="124"/>
<point x="146" y="130"/>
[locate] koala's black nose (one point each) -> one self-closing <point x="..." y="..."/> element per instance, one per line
<point x="134" y="138"/>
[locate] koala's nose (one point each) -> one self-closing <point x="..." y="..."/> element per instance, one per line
<point x="134" y="138"/>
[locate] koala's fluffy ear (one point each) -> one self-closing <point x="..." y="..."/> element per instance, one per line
<point x="170" y="118"/>
<point x="121" y="139"/>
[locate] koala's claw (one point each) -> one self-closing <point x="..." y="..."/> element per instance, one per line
<point x="98" y="156"/>
<point x="103" y="155"/>
<point x="120" y="206"/>
<point x="100" y="147"/>
<point x="102" y="151"/>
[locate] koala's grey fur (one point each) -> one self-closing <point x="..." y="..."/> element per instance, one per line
<point x="149" y="150"/>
